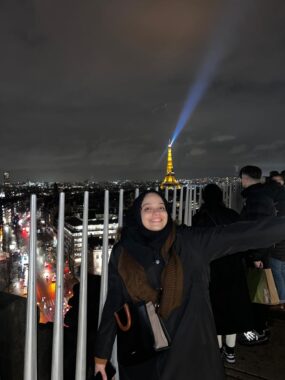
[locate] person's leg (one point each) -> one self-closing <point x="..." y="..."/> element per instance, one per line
<point x="231" y="340"/>
<point x="282" y="291"/>
<point x="260" y="332"/>
<point x="229" y="351"/>
<point x="220" y="342"/>
<point x="261" y="316"/>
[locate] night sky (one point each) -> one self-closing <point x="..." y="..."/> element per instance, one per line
<point x="93" y="89"/>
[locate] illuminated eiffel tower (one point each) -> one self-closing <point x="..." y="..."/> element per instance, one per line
<point x="170" y="181"/>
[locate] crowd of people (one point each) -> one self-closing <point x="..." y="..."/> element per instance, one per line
<point x="195" y="277"/>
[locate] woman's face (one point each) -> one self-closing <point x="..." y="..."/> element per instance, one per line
<point x="153" y="212"/>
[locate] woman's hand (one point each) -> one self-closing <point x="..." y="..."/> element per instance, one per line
<point x="101" y="368"/>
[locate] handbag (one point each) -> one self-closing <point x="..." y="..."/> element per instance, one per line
<point x="262" y="288"/>
<point x="140" y="333"/>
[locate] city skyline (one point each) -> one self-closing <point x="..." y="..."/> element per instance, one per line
<point x="94" y="90"/>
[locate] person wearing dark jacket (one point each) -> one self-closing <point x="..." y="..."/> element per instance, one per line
<point x="157" y="262"/>
<point x="228" y="287"/>
<point x="258" y="204"/>
<point x="277" y="252"/>
<point x="278" y="178"/>
<point x="275" y="188"/>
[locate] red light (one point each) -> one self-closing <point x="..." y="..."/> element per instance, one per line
<point x="24" y="234"/>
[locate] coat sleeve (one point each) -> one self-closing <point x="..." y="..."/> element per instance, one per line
<point x="280" y="202"/>
<point x="115" y="298"/>
<point x="241" y="236"/>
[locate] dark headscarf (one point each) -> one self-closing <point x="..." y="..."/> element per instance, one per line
<point x="134" y="230"/>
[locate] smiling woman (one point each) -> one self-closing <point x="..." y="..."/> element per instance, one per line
<point x="156" y="261"/>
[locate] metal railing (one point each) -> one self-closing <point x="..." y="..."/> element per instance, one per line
<point x="190" y="199"/>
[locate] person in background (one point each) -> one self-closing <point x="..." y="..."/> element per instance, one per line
<point x="258" y="204"/>
<point x="277" y="177"/>
<point x="228" y="286"/>
<point x="277" y="252"/>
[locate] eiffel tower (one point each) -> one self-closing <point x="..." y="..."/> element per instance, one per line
<point x="170" y="181"/>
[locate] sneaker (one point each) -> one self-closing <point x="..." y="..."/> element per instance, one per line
<point x="251" y="338"/>
<point x="229" y="355"/>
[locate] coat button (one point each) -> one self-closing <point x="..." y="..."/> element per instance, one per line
<point x="157" y="262"/>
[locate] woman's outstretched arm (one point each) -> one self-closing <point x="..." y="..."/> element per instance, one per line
<point x="241" y="236"/>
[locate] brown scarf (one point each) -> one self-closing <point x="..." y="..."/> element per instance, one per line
<point x="137" y="283"/>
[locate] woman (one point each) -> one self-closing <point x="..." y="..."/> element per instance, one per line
<point x="228" y="287"/>
<point x="151" y="255"/>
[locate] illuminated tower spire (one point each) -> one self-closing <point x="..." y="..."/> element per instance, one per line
<point x="169" y="181"/>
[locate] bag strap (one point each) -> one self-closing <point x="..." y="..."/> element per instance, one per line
<point x="127" y="326"/>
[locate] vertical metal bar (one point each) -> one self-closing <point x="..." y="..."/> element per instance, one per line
<point x="57" y="347"/>
<point x="166" y="193"/>
<point x="80" y="372"/>
<point x="157" y="188"/>
<point x="237" y="200"/>
<point x="238" y="197"/>
<point x="120" y="225"/>
<point x="190" y="207"/>
<point x="30" y="363"/>
<point x="180" y="213"/>
<point x="115" y="359"/>
<point x="230" y="196"/>
<point x="105" y="254"/>
<point x="234" y="196"/>
<point x="224" y="192"/>
<point x="195" y="200"/>
<point x="200" y="195"/>
<point x="174" y="204"/>
<point x="137" y="192"/>
<point x="121" y="208"/>
<point x="186" y="206"/>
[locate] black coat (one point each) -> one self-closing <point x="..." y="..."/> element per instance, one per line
<point x="258" y="203"/>
<point x="278" y="250"/>
<point x="194" y="353"/>
<point x="228" y="287"/>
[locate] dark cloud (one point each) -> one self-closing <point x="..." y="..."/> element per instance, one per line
<point x="93" y="89"/>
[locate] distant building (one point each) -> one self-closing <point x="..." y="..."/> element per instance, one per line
<point x="6" y="179"/>
<point x="73" y="229"/>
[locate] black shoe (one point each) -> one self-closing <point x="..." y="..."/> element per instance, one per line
<point x="229" y="354"/>
<point x="251" y="338"/>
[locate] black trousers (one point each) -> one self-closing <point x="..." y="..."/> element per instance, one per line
<point x="260" y="317"/>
